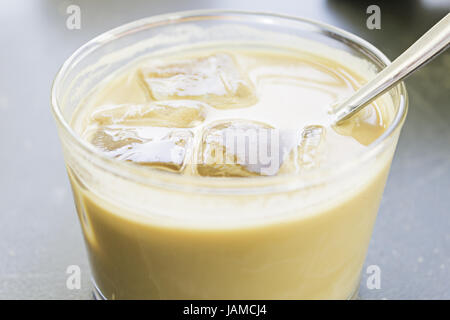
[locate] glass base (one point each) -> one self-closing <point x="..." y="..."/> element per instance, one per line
<point x="355" y="294"/>
<point x="98" y="295"/>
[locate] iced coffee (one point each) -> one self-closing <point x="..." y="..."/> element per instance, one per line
<point x="214" y="171"/>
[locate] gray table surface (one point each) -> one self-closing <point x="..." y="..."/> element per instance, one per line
<point x="39" y="232"/>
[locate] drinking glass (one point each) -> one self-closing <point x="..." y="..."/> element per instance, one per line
<point x="158" y="235"/>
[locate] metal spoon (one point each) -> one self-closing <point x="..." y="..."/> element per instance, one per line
<point x="431" y="44"/>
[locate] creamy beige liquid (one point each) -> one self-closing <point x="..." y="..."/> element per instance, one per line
<point x="172" y="114"/>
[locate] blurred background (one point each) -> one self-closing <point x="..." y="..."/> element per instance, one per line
<point x="39" y="231"/>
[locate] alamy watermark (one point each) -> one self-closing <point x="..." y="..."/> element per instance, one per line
<point x="73" y="21"/>
<point x="73" y="281"/>
<point x="374" y="279"/>
<point x="374" y="20"/>
<point x="259" y="149"/>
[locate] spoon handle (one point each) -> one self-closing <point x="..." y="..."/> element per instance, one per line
<point x="432" y="43"/>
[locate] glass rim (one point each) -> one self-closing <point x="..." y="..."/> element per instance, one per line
<point x="155" y="177"/>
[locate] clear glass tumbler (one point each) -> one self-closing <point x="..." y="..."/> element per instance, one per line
<point x="157" y="235"/>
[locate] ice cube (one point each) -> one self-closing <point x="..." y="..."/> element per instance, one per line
<point x="215" y="79"/>
<point x="128" y="88"/>
<point x="239" y="148"/>
<point x="364" y="126"/>
<point x="309" y="152"/>
<point x="157" y="147"/>
<point x="110" y="139"/>
<point x="173" y="114"/>
<point x="310" y="146"/>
